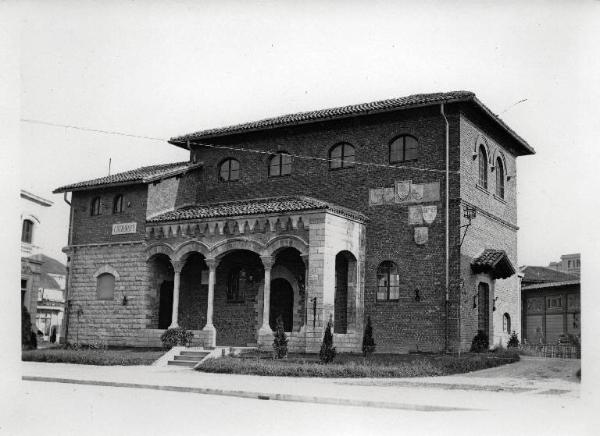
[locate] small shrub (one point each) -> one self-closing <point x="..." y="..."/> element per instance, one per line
<point x="28" y="336"/>
<point x="176" y="336"/>
<point x="327" y="353"/>
<point x="368" y="343"/>
<point x="480" y="342"/>
<point x="513" y="341"/>
<point x="280" y="340"/>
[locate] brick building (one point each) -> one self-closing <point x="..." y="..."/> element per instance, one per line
<point x="335" y="214"/>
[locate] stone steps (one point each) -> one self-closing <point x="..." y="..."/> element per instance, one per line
<point x="188" y="358"/>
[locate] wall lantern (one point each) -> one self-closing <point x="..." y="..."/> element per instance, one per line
<point x="474" y="301"/>
<point x="494" y="305"/>
<point x="417" y="296"/>
<point x="470" y="213"/>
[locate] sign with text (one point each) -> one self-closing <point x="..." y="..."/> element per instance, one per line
<point x="123" y="228"/>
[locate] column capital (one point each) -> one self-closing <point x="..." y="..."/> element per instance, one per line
<point x="267" y="261"/>
<point x="177" y="265"/>
<point x="211" y="262"/>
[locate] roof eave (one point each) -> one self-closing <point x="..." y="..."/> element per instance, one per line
<point x="99" y="186"/>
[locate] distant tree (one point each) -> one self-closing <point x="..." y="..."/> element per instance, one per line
<point x="280" y="340"/>
<point x="327" y="353"/>
<point x="28" y="338"/>
<point x="368" y="343"/>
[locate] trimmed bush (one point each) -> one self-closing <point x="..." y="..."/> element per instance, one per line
<point x="28" y="336"/>
<point x="327" y="353"/>
<point x="480" y="343"/>
<point x="280" y="341"/>
<point x="513" y="341"/>
<point x="176" y="336"/>
<point x="368" y="343"/>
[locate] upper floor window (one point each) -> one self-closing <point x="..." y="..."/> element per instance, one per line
<point x="229" y="170"/>
<point x="388" y="281"/>
<point x="341" y="156"/>
<point x="105" y="286"/>
<point x="280" y="165"/>
<point x="404" y="148"/>
<point x="27" y="231"/>
<point x="118" y="204"/>
<point x="499" y="178"/>
<point x="95" y="209"/>
<point x="483" y="169"/>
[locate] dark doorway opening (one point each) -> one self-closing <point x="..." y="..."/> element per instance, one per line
<point x="484" y="308"/>
<point x="282" y="304"/>
<point x="165" y="308"/>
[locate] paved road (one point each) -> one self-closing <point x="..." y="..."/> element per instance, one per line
<point x="70" y="409"/>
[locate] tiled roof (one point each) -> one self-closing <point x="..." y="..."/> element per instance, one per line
<point x="139" y="175"/>
<point x="541" y="274"/>
<point x="550" y="285"/>
<point x="257" y="206"/>
<point x="410" y="101"/>
<point x="495" y="262"/>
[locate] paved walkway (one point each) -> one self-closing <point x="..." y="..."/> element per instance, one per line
<point x="460" y="392"/>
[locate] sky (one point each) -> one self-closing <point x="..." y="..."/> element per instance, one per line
<point x="161" y="69"/>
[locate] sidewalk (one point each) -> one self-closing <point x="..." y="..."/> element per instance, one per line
<point x="449" y="393"/>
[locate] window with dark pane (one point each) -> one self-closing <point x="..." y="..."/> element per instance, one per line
<point x="483" y="167"/>
<point x="499" y="178"/>
<point x="388" y="281"/>
<point x="27" y="231"/>
<point x="404" y="148"/>
<point x="118" y="204"/>
<point x="229" y="170"/>
<point x="280" y="165"/>
<point x="341" y="156"/>
<point x="95" y="207"/>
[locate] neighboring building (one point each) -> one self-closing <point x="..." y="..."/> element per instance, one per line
<point x="302" y="228"/>
<point x="551" y="305"/>
<point x="51" y="299"/>
<point x="569" y="263"/>
<point x="32" y="211"/>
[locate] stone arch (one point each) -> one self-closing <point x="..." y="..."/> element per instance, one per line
<point x="236" y="244"/>
<point x="106" y="269"/>
<point x="31" y="217"/>
<point x="159" y="248"/>
<point x="483" y="142"/>
<point x="286" y="241"/>
<point x="498" y="154"/>
<point x="182" y="252"/>
<point x="346" y="287"/>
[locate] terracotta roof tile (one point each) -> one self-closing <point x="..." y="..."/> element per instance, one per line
<point x="257" y="206"/>
<point x="138" y="175"/>
<point x="495" y="262"/>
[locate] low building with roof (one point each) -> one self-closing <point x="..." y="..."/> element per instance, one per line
<point x="50" y="297"/>
<point x="402" y="211"/>
<point x="551" y="305"/>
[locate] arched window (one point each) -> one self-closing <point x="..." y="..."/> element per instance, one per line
<point x="27" y="231"/>
<point x="105" y="286"/>
<point x="404" y="148"/>
<point x="95" y="209"/>
<point x="229" y="170"/>
<point x="499" y="178"/>
<point x="341" y="156"/>
<point x="388" y="281"/>
<point x="482" y="167"/>
<point x="280" y="165"/>
<point x="118" y="204"/>
<point x="506" y="323"/>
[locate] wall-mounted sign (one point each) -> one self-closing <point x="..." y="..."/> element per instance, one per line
<point x="123" y="228"/>
<point x="405" y="192"/>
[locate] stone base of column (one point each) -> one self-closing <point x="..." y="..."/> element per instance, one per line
<point x="265" y="336"/>
<point x="210" y="336"/>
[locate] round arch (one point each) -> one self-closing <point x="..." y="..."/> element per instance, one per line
<point x="278" y="243"/>
<point x="481" y="141"/>
<point x="186" y="248"/>
<point x="159" y="248"/>
<point x="236" y="244"/>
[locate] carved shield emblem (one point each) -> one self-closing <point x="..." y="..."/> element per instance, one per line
<point x="415" y="216"/>
<point x="429" y="213"/>
<point x="416" y="192"/>
<point x="388" y="195"/>
<point x="402" y="190"/>
<point x="421" y="235"/>
<point x="376" y="196"/>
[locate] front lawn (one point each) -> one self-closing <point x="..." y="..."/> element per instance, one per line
<point x="123" y="356"/>
<point x="352" y="365"/>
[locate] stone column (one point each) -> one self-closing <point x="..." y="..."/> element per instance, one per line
<point x="209" y="328"/>
<point x="306" y="299"/>
<point x="265" y="327"/>
<point x="177" y="266"/>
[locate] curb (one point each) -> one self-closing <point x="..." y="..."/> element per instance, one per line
<point x="256" y="395"/>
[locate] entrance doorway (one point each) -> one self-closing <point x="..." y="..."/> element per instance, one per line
<point x="484" y="308"/>
<point x="281" y="304"/>
<point x="165" y="308"/>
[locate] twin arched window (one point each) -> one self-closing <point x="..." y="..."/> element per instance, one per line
<point x="483" y="168"/>
<point x="27" y="231"/>
<point x="280" y="165"/>
<point x="404" y="148"/>
<point x="229" y="170"/>
<point x="341" y="156"/>
<point x="118" y="204"/>
<point x="388" y="281"/>
<point x="499" y="178"/>
<point x="95" y="208"/>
